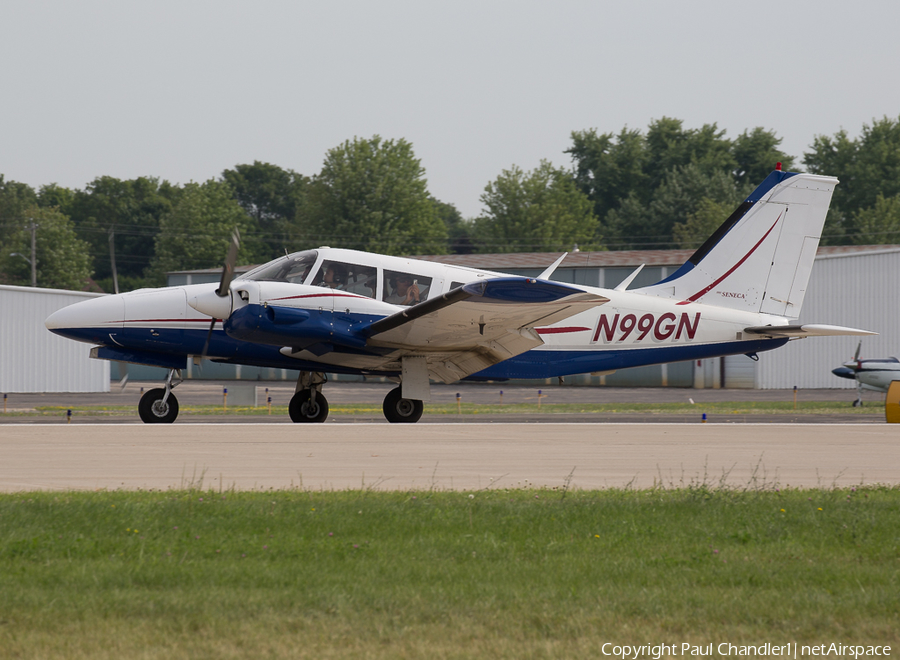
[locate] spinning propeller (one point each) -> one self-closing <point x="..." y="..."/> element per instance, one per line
<point x="224" y="290"/>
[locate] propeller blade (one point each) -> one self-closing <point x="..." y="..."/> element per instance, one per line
<point x="858" y="346"/>
<point x="208" y="337"/>
<point x="230" y="262"/>
<point x="224" y="284"/>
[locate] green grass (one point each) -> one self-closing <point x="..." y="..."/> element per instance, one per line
<point x="503" y="573"/>
<point x="715" y="408"/>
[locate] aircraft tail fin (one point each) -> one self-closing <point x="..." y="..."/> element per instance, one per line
<point x="761" y="257"/>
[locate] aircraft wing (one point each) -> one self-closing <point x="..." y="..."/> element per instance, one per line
<point x="479" y="324"/>
<point x="806" y="330"/>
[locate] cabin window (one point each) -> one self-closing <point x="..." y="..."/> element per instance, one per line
<point x="401" y="288"/>
<point x="456" y="285"/>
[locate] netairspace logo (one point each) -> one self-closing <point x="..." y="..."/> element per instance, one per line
<point x="724" y="649"/>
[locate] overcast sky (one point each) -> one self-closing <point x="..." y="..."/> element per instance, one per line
<point x="182" y="90"/>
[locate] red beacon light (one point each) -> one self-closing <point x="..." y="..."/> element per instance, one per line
<point x="777" y="167"/>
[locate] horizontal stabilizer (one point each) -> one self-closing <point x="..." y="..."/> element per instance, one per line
<point x="806" y="330"/>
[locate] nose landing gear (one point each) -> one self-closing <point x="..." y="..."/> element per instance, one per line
<point x="159" y="405"/>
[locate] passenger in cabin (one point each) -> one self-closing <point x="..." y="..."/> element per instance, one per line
<point x="405" y="290"/>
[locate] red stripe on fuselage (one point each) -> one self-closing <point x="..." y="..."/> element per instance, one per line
<point x="321" y="295"/>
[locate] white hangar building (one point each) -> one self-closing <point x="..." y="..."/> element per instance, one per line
<point x="33" y="359"/>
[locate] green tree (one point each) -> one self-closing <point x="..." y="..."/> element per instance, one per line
<point x="643" y="185"/>
<point x="460" y="232"/>
<point x="609" y="169"/>
<point x="651" y="227"/>
<point x="372" y="195"/>
<point x="670" y="146"/>
<point x="197" y="231"/>
<point x="15" y="198"/>
<point x="130" y="210"/>
<point x="878" y="224"/>
<point x="681" y="195"/>
<point x="867" y="167"/>
<point x="540" y="210"/>
<point x="62" y="260"/>
<point x="272" y="196"/>
<point x="700" y="224"/>
<point x="756" y="153"/>
<point x="51" y="194"/>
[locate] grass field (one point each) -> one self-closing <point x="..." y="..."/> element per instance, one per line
<point x="495" y="573"/>
<point x="719" y="407"/>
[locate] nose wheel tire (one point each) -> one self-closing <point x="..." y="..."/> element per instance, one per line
<point x="302" y="410"/>
<point x="400" y="410"/>
<point x="152" y="410"/>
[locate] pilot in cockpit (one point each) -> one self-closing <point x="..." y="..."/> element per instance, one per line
<point x="334" y="276"/>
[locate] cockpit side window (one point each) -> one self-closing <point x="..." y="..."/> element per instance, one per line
<point x="361" y="280"/>
<point x="293" y="268"/>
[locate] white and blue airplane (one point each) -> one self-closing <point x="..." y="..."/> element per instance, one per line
<point x="342" y="311"/>
<point x="875" y="374"/>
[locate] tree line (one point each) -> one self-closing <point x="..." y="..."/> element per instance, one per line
<point x="664" y="187"/>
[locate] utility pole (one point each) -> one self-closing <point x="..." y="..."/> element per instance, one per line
<point x="112" y="257"/>
<point x="33" y="253"/>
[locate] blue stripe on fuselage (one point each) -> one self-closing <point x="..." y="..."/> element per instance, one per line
<point x="553" y="363"/>
<point x="538" y="363"/>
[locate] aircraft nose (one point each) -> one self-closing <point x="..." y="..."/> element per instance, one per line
<point x="102" y="314"/>
<point x="844" y="372"/>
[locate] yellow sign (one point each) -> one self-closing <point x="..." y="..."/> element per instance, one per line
<point x="892" y="403"/>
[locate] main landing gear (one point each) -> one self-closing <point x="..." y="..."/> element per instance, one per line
<point x="159" y="405"/>
<point x="399" y="410"/>
<point x="309" y="404"/>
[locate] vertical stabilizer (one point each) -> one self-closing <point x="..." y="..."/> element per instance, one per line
<point x="761" y="257"/>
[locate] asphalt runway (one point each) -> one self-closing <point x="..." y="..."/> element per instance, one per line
<point x="197" y="392"/>
<point x="469" y="457"/>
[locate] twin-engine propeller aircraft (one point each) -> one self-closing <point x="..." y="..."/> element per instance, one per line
<point x="874" y="374"/>
<point x="342" y="311"/>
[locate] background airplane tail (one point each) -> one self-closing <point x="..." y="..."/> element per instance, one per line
<point x="761" y="257"/>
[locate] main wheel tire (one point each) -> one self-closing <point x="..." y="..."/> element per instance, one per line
<point x="152" y="409"/>
<point x="400" y="410"/>
<point x="301" y="410"/>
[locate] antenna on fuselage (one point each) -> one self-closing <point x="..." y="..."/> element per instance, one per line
<point x="552" y="267"/>
<point x="628" y="280"/>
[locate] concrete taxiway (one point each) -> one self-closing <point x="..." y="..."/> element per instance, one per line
<point x="458" y="456"/>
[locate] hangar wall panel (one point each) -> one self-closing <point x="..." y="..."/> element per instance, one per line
<point x="33" y="359"/>
<point x="858" y="291"/>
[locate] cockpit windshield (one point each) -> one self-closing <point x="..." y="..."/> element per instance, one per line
<point x="293" y="268"/>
